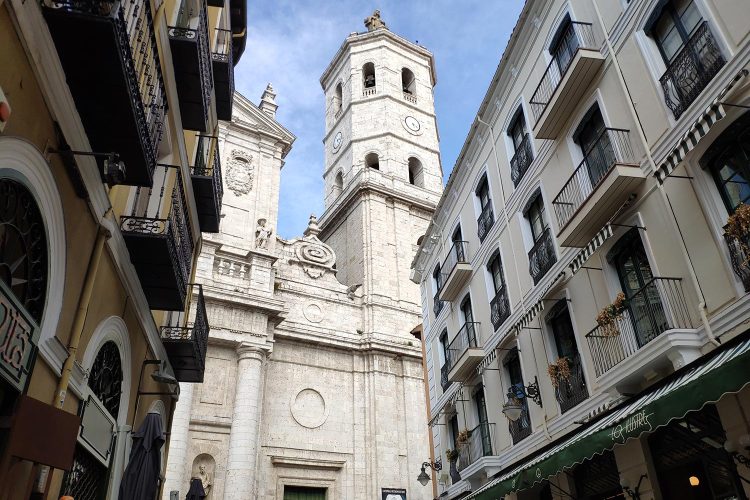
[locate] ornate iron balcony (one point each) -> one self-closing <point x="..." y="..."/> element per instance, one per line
<point x="652" y="310"/>
<point x="740" y="258"/>
<point x="186" y="345"/>
<point x="464" y="339"/>
<point x="207" y="184"/>
<point x="542" y="256"/>
<point x="109" y="53"/>
<point x="571" y="391"/>
<point x="521" y="428"/>
<point x="223" y="71"/>
<point x="444" y="382"/>
<point x="576" y="36"/>
<point x="521" y="160"/>
<point x="691" y="70"/>
<point x="485" y="221"/>
<point x="479" y="445"/>
<point x="612" y="147"/>
<point x="437" y="304"/>
<point x="160" y="241"/>
<point x="500" y="307"/>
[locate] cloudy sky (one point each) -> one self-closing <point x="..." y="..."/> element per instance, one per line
<point x="290" y="43"/>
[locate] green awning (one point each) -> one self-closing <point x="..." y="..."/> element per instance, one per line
<point x="725" y="370"/>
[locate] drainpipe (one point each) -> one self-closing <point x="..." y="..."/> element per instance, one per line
<point x="80" y="317"/>
<point x="675" y="225"/>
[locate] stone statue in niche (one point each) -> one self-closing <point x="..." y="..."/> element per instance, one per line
<point x="262" y="233"/>
<point x="205" y="478"/>
<point x="203" y="469"/>
<point x="374" y="22"/>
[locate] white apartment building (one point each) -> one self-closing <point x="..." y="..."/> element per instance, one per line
<point x="584" y="293"/>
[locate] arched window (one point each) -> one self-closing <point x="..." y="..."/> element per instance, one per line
<point x="371" y="160"/>
<point x="368" y="78"/>
<point x="408" y="82"/>
<point x="338" y="184"/>
<point x="416" y="174"/>
<point x="23" y="247"/>
<point x="105" y="379"/>
<point x="338" y="99"/>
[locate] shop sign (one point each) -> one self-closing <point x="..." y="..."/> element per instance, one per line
<point x="394" y="494"/>
<point x="18" y="337"/>
<point x="635" y="424"/>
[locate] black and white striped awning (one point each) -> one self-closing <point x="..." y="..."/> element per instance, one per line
<point x="713" y="113"/>
<point x="452" y="399"/>
<point x="581" y="257"/>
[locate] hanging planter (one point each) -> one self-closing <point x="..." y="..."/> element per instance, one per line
<point x="451" y="455"/>
<point x="608" y="316"/>
<point x="738" y="228"/>
<point x="559" y="371"/>
<point x="463" y="437"/>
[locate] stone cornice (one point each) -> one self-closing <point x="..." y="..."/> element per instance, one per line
<point x="307" y="463"/>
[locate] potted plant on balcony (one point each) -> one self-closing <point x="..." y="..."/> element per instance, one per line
<point x="463" y="437"/>
<point x="607" y="317"/>
<point x="738" y="229"/>
<point x="559" y="371"/>
<point x="452" y="456"/>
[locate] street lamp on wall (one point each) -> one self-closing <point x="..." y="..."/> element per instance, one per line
<point x="516" y="393"/>
<point x="738" y="448"/>
<point x="423" y="478"/>
<point x="625" y="485"/>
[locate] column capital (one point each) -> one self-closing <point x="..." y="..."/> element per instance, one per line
<point x="246" y="350"/>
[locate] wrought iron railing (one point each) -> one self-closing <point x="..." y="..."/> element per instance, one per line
<point x="197" y="334"/>
<point x="571" y="391"/>
<point x="652" y="310"/>
<point x="140" y="58"/>
<point x="479" y="445"/>
<point x="151" y="217"/>
<point x="456" y="255"/>
<point x="691" y="70"/>
<point x="444" y="382"/>
<point x="521" y="160"/>
<point x="500" y="307"/>
<point x="542" y="256"/>
<point x="485" y="221"/>
<point x="576" y="36"/>
<point x="738" y="252"/>
<point x="466" y="338"/>
<point x="437" y="304"/>
<point x="223" y="53"/>
<point x="208" y="164"/>
<point x="189" y="28"/>
<point x="611" y="147"/>
<point x="520" y="429"/>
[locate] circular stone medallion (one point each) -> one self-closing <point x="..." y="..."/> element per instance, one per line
<point x="313" y="313"/>
<point x="309" y="408"/>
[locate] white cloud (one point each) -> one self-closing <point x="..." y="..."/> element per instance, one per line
<point x="291" y="42"/>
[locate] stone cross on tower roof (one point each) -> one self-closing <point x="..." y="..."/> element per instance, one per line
<point x="374" y="22"/>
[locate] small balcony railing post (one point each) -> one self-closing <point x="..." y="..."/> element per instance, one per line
<point x="456" y="255"/>
<point x="485" y="221"/>
<point x="542" y="256"/>
<point x="612" y="147"/>
<point x="691" y="70"/>
<point x="465" y="339"/>
<point x="521" y="160"/>
<point x="656" y="307"/>
<point x="500" y="307"/>
<point x="577" y="36"/>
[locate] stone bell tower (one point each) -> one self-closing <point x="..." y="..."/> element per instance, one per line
<point x="382" y="175"/>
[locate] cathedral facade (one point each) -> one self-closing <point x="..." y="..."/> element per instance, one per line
<point x="313" y="384"/>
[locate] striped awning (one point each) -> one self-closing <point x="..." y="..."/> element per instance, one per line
<point x="457" y="394"/>
<point x="712" y="114"/>
<point x="723" y="371"/>
<point x="598" y="240"/>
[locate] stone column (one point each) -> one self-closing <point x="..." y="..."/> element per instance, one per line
<point x="243" y="439"/>
<point x="178" y="444"/>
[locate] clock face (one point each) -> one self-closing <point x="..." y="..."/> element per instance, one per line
<point x="337" y="141"/>
<point x="412" y="123"/>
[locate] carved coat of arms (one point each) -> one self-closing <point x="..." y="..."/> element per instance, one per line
<point x="240" y="172"/>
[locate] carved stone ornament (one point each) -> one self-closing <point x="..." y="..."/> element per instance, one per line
<point x="240" y="172"/>
<point x="315" y="256"/>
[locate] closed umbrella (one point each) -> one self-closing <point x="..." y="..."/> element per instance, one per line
<point x="196" y="491"/>
<point x="141" y="478"/>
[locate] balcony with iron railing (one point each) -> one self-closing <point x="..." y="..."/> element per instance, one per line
<point x="521" y="160"/>
<point x="437" y="304"/>
<point x="602" y="182"/>
<point x="652" y="333"/>
<point x="223" y="71"/>
<point x="520" y="428"/>
<point x="485" y="221"/>
<point x="575" y="62"/>
<point x="109" y="54"/>
<point x="691" y="70"/>
<point x="479" y="445"/>
<point x="186" y="345"/>
<point x="500" y="307"/>
<point x="188" y="40"/>
<point x="444" y="382"/>
<point x="159" y="240"/>
<point x="542" y="256"/>
<point x="739" y="253"/>
<point x="464" y="353"/>
<point x="208" y="189"/>
<point x="455" y="271"/>
<point x="570" y="390"/>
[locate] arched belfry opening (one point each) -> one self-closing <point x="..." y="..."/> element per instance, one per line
<point x="372" y="161"/>
<point x="338" y="96"/>
<point x="408" y="82"/>
<point x="368" y="75"/>
<point x="416" y="172"/>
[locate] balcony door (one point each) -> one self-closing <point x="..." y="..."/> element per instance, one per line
<point x="521" y="428"/>
<point x="673" y="28"/>
<point x="572" y="390"/>
<point x="484" y="427"/>
<point x="637" y="280"/>
<point x="458" y="247"/>
<point x="564" y="45"/>
<point x="596" y="147"/>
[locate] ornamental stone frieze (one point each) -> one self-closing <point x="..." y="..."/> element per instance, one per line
<point x="315" y="257"/>
<point x="240" y="172"/>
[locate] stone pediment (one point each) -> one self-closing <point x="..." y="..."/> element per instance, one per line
<point x="247" y="115"/>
